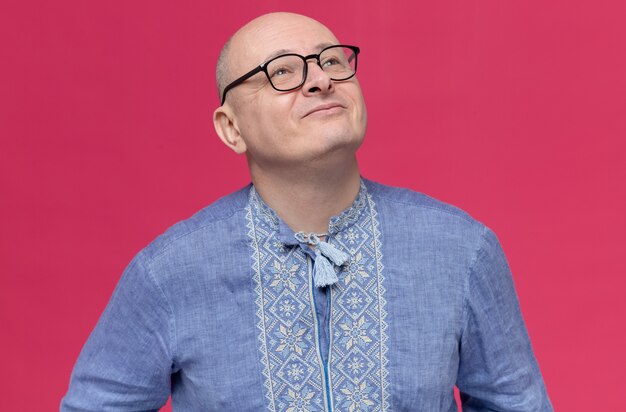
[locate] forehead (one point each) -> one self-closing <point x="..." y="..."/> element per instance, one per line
<point x="269" y="36"/>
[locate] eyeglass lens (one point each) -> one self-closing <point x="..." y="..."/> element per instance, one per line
<point x="287" y="72"/>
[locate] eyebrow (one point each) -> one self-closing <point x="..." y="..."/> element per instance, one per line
<point x="277" y="53"/>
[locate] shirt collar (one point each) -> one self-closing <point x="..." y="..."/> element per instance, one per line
<point x="268" y="217"/>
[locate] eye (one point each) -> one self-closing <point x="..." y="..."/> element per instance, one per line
<point x="280" y="71"/>
<point x="330" y="62"/>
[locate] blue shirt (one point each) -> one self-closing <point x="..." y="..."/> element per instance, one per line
<point x="222" y="312"/>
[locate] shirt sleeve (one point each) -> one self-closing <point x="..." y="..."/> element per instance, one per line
<point x="127" y="361"/>
<point x="497" y="368"/>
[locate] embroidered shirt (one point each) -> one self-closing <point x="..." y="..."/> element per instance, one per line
<point x="222" y="312"/>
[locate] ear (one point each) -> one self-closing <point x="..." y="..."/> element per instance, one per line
<point x="226" y="128"/>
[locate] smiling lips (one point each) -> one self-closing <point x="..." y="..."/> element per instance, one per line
<point x="328" y="108"/>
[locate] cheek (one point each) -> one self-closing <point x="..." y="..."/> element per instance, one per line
<point x="364" y="115"/>
<point x="353" y="91"/>
<point x="279" y="115"/>
<point x="360" y="113"/>
<point x="267" y="124"/>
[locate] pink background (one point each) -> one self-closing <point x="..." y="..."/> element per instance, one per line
<point x="513" y="111"/>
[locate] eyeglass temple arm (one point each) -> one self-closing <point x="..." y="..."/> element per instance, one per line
<point x="240" y="80"/>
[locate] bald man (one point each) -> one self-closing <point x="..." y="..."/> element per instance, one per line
<point x="312" y="288"/>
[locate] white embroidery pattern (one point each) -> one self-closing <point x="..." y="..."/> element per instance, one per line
<point x="287" y="337"/>
<point x="285" y="323"/>
<point x="359" y="350"/>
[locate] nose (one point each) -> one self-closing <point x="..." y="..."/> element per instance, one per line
<point x="317" y="80"/>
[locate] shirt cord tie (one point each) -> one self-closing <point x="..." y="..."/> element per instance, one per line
<point x="326" y="255"/>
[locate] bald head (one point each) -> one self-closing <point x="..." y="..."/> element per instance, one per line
<point x="237" y="55"/>
<point x="222" y="71"/>
<point x="286" y="128"/>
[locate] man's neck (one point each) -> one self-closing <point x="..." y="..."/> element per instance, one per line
<point x="306" y="199"/>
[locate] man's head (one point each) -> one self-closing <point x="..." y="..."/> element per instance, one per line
<point x="280" y="129"/>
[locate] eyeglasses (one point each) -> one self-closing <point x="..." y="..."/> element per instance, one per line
<point x="288" y="71"/>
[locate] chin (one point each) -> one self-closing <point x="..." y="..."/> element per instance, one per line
<point x="336" y="142"/>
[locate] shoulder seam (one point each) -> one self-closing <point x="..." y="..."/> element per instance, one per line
<point x="166" y="246"/>
<point x="468" y="274"/>
<point x="462" y="214"/>
<point x="172" y="332"/>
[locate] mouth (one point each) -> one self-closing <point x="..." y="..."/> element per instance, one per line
<point x="324" y="109"/>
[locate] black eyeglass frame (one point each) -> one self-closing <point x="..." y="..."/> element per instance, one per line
<point x="263" y="68"/>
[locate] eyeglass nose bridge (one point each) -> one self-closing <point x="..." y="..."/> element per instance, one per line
<point x="306" y="59"/>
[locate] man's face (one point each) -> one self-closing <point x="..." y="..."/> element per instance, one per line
<point x="303" y="125"/>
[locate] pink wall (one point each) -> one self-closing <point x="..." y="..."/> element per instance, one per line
<point x="513" y="111"/>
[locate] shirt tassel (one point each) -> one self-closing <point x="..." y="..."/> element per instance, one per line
<point x="326" y="256"/>
<point x="324" y="273"/>
<point x="337" y="256"/>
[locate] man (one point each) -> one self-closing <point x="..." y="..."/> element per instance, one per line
<point x="311" y="289"/>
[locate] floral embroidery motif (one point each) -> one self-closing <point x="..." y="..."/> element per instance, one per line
<point x="352" y="236"/>
<point x="295" y="372"/>
<point x="284" y="276"/>
<point x="355" y="300"/>
<point x="356" y="269"/>
<point x="355" y="365"/>
<point x="355" y="333"/>
<point x="357" y="397"/>
<point x="287" y="336"/>
<point x="299" y="403"/>
<point x="287" y="308"/>
<point x="291" y="339"/>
